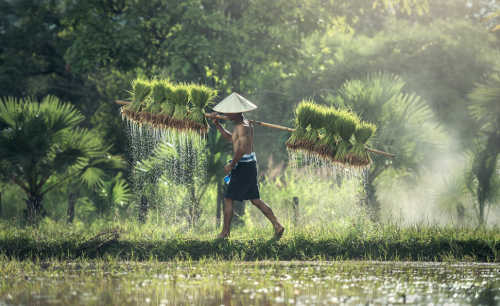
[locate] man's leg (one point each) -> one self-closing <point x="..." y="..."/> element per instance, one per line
<point x="228" y="217"/>
<point x="268" y="212"/>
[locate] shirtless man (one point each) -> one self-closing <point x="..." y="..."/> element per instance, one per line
<point x="243" y="183"/>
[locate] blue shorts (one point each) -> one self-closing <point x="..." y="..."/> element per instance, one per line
<point x="243" y="184"/>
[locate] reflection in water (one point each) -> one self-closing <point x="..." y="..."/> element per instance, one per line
<point x="262" y="283"/>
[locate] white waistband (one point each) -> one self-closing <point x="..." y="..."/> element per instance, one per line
<point x="250" y="157"/>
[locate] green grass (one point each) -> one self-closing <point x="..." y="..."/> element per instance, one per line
<point x="128" y="240"/>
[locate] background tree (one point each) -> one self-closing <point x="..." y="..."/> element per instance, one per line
<point x="483" y="179"/>
<point x="40" y="140"/>
<point x="406" y="125"/>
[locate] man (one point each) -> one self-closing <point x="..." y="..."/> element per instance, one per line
<point x="242" y="168"/>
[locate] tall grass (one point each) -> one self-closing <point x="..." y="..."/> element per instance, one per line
<point x="129" y="240"/>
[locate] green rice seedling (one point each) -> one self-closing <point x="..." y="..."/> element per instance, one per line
<point x="346" y="126"/>
<point x="359" y="156"/>
<point x="180" y="97"/>
<point x="201" y="96"/>
<point x="167" y="107"/>
<point x="301" y="122"/>
<point x="153" y="108"/>
<point x="326" y="146"/>
<point x="308" y="140"/>
<point x="141" y="90"/>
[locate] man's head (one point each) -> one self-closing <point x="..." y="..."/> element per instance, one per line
<point x="233" y="116"/>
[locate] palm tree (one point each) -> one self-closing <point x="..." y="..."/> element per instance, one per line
<point x="39" y="141"/>
<point x="452" y="197"/>
<point x="406" y="125"/>
<point x="485" y="107"/>
<point x="483" y="179"/>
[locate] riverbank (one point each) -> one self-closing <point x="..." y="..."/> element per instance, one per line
<point x="132" y="241"/>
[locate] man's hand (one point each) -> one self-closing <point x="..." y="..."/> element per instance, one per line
<point x="215" y="121"/>
<point x="228" y="168"/>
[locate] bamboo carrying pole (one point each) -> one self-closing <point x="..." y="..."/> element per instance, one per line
<point x="274" y="126"/>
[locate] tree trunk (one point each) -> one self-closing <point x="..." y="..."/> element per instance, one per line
<point x="34" y="207"/>
<point x="295" y="210"/>
<point x="194" y="209"/>
<point x="460" y="213"/>
<point x="239" y="212"/>
<point x="143" y="209"/>
<point x="481" y="212"/>
<point x="370" y="199"/>
<point x="71" y="207"/>
<point x="220" y="204"/>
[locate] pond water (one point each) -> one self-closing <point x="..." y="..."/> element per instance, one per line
<point x="259" y="283"/>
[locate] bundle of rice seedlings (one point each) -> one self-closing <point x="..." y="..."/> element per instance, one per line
<point x="141" y="90"/>
<point x="327" y="144"/>
<point x="359" y="157"/>
<point x="180" y="97"/>
<point x="307" y="141"/>
<point x="157" y="98"/>
<point x="201" y="96"/>
<point x="301" y="122"/>
<point x="167" y="107"/>
<point x="346" y="126"/>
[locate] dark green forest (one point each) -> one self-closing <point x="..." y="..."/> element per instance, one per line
<point x="426" y="72"/>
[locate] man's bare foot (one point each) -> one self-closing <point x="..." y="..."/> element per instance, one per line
<point x="279" y="232"/>
<point x="223" y="236"/>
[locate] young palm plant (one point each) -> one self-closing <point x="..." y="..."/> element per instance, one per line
<point x="42" y="141"/>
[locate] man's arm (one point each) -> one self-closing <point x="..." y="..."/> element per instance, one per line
<point x="225" y="133"/>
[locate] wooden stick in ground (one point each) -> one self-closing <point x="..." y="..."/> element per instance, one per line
<point x="274" y="126"/>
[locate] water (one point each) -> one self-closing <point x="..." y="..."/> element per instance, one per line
<point x="261" y="283"/>
<point x="169" y="171"/>
<point x="340" y="191"/>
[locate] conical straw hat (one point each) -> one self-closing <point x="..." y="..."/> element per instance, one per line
<point x="234" y="104"/>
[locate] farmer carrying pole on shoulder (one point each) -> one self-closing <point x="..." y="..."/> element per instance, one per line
<point x="242" y="169"/>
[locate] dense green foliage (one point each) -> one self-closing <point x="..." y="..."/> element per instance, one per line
<point x="276" y="54"/>
<point x="42" y="148"/>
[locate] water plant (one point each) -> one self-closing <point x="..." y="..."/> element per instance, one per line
<point x="180" y="97"/>
<point x="302" y="120"/>
<point x="346" y="125"/>
<point x="201" y="96"/>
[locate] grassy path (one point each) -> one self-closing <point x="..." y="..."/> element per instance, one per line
<point x="136" y="243"/>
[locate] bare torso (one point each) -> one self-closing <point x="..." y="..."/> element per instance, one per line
<point x="245" y="129"/>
